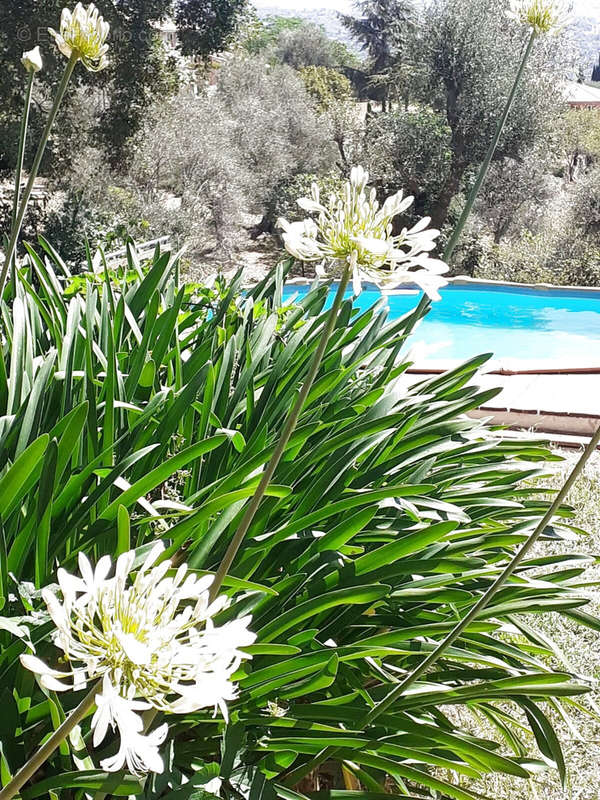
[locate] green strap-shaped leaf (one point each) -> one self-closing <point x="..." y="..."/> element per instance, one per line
<point x="160" y="474"/>
<point x="90" y="780"/>
<point x="13" y="486"/>
<point x="355" y="595"/>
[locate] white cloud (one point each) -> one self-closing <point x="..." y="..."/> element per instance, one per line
<point x="590" y="8"/>
<point x="587" y="8"/>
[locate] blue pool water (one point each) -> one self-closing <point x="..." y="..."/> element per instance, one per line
<point x="513" y="323"/>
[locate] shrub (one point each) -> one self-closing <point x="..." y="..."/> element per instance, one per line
<point x="91" y="207"/>
<point x="532" y="258"/>
<point x="75" y="223"/>
<point x="283" y="201"/>
<point x="560" y="247"/>
<point x="327" y="86"/>
<point x="585" y="212"/>
<point x="580" y="141"/>
<point x="33" y="224"/>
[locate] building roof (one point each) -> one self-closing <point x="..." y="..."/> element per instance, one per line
<point x="577" y="94"/>
<point x="165" y="26"/>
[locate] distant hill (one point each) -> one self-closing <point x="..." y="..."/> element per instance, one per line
<point x="587" y="35"/>
<point x="586" y="29"/>
<point x="325" y="17"/>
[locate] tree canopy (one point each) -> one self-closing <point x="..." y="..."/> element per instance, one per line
<point x="468" y="73"/>
<point x="384" y="29"/>
<point x="138" y="69"/>
<point x="205" y="26"/>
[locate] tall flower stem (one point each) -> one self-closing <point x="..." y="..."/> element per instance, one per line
<point x="484" y="601"/>
<point x="20" y="214"/>
<point x="286" y="434"/>
<point x="21" y="153"/>
<point x="29" y="769"/>
<point x="483" y="171"/>
<point x="20" y="160"/>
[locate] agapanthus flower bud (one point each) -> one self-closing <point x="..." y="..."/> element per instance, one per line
<point x="541" y="16"/>
<point x="32" y="60"/>
<point x="83" y="33"/>
<point x="352" y="227"/>
<point x="151" y="641"/>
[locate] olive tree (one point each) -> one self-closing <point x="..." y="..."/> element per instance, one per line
<point x="470" y="69"/>
<point x="410" y="151"/>
<point x="516" y="191"/>
<point x="305" y="45"/>
<point x="276" y="128"/>
<point x="201" y="165"/>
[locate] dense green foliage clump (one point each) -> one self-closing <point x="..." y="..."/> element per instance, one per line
<point x="326" y="86"/>
<point x="284" y="200"/>
<point x="133" y="408"/>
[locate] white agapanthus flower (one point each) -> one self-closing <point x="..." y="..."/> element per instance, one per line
<point x="352" y="227"/>
<point x="83" y="32"/>
<point x="32" y="60"/>
<point x="152" y="642"/>
<point x="541" y="16"/>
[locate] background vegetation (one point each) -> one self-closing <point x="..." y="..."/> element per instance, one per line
<point x="207" y="148"/>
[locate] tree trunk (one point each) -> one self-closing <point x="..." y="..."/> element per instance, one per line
<point x="500" y="231"/>
<point x="441" y="207"/>
<point x="339" y="139"/>
<point x="439" y="211"/>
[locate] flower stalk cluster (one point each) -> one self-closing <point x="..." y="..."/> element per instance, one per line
<point x="541" y="16"/>
<point x="354" y="231"/>
<point x="354" y="225"/>
<point x="83" y="33"/>
<point x="82" y="37"/>
<point x="32" y="62"/>
<point x="152" y="643"/>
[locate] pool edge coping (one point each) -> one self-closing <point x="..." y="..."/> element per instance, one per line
<point x="460" y="280"/>
<point x="466" y="279"/>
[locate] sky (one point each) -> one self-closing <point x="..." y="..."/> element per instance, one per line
<point x="590" y="8"/>
<point x="583" y="7"/>
<point x="293" y="5"/>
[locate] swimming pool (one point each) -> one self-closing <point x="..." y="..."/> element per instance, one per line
<point x="521" y="326"/>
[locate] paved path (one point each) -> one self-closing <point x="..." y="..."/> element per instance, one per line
<point x="556" y="403"/>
